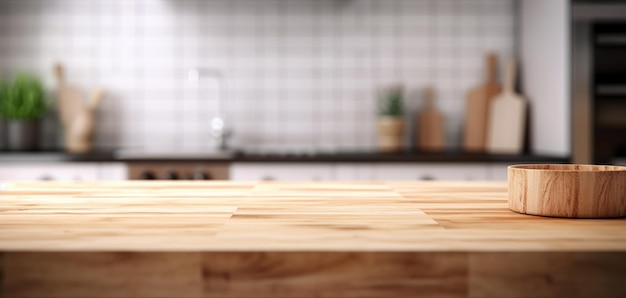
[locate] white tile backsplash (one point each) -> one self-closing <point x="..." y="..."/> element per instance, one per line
<point x="298" y="73"/>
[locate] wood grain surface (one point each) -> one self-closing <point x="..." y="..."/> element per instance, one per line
<point x="551" y="274"/>
<point x="297" y="239"/>
<point x="223" y="215"/>
<point x="116" y="274"/>
<point x="336" y="274"/>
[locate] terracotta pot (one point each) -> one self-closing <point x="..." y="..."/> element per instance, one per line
<point x="2" y="134"/>
<point x="390" y="134"/>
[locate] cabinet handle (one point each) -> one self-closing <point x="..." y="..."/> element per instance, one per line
<point x="147" y="175"/>
<point x="201" y="176"/>
<point x="427" y="178"/>
<point x="45" y="177"/>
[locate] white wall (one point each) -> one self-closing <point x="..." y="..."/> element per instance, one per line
<point x="299" y="72"/>
<point x="544" y="43"/>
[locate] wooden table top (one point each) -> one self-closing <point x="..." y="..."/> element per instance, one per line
<point x="285" y="216"/>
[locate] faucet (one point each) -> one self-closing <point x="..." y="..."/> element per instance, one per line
<point x="219" y="131"/>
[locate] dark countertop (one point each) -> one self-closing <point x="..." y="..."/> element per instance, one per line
<point x="56" y="156"/>
<point x="365" y="156"/>
<point x="420" y="157"/>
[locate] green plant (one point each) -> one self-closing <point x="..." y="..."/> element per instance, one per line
<point x="392" y="102"/>
<point x="23" y="98"/>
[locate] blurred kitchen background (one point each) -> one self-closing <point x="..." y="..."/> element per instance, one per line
<point x="296" y="84"/>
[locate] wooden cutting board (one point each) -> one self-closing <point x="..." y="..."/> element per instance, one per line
<point x="477" y="109"/>
<point x="430" y="130"/>
<point x="507" y="119"/>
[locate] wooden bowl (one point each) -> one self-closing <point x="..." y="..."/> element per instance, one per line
<point x="574" y="191"/>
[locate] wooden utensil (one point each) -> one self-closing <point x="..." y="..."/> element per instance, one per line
<point x="507" y="118"/>
<point x="575" y="191"/>
<point x="430" y="131"/>
<point x="69" y="97"/>
<point x="77" y="115"/>
<point x="477" y="109"/>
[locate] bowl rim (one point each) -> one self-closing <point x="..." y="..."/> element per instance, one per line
<point x="528" y="167"/>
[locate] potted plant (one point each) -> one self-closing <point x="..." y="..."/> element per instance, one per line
<point x="3" y="86"/>
<point x="391" y="122"/>
<point x="22" y="105"/>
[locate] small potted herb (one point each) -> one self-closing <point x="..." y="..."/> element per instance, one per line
<point x="3" y="86"/>
<point x="391" y="122"/>
<point x="22" y="105"/>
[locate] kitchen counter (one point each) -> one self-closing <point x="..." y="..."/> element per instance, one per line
<point x="271" y="239"/>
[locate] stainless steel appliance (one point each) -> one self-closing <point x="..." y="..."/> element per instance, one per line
<point x="178" y="170"/>
<point x="598" y="60"/>
<point x="609" y="92"/>
<point x="176" y="163"/>
<point x="220" y="132"/>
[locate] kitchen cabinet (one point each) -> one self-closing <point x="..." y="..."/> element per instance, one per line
<point x="353" y="171"/>
<point x="359" y="171"/>
<point x="113" y="171"/>
<point x="49" y="171"/>
<point x="430" y="172"/>
<point x="281" y="171"/>
<point x="63" y="171"/>
<point x="498" y="171"/>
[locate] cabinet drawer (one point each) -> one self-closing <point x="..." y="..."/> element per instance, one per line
<point x="280" y="172"/>
<point x="353" y="172"/>
<point x="430" y="172"/>
<point x="49" y="171"/>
